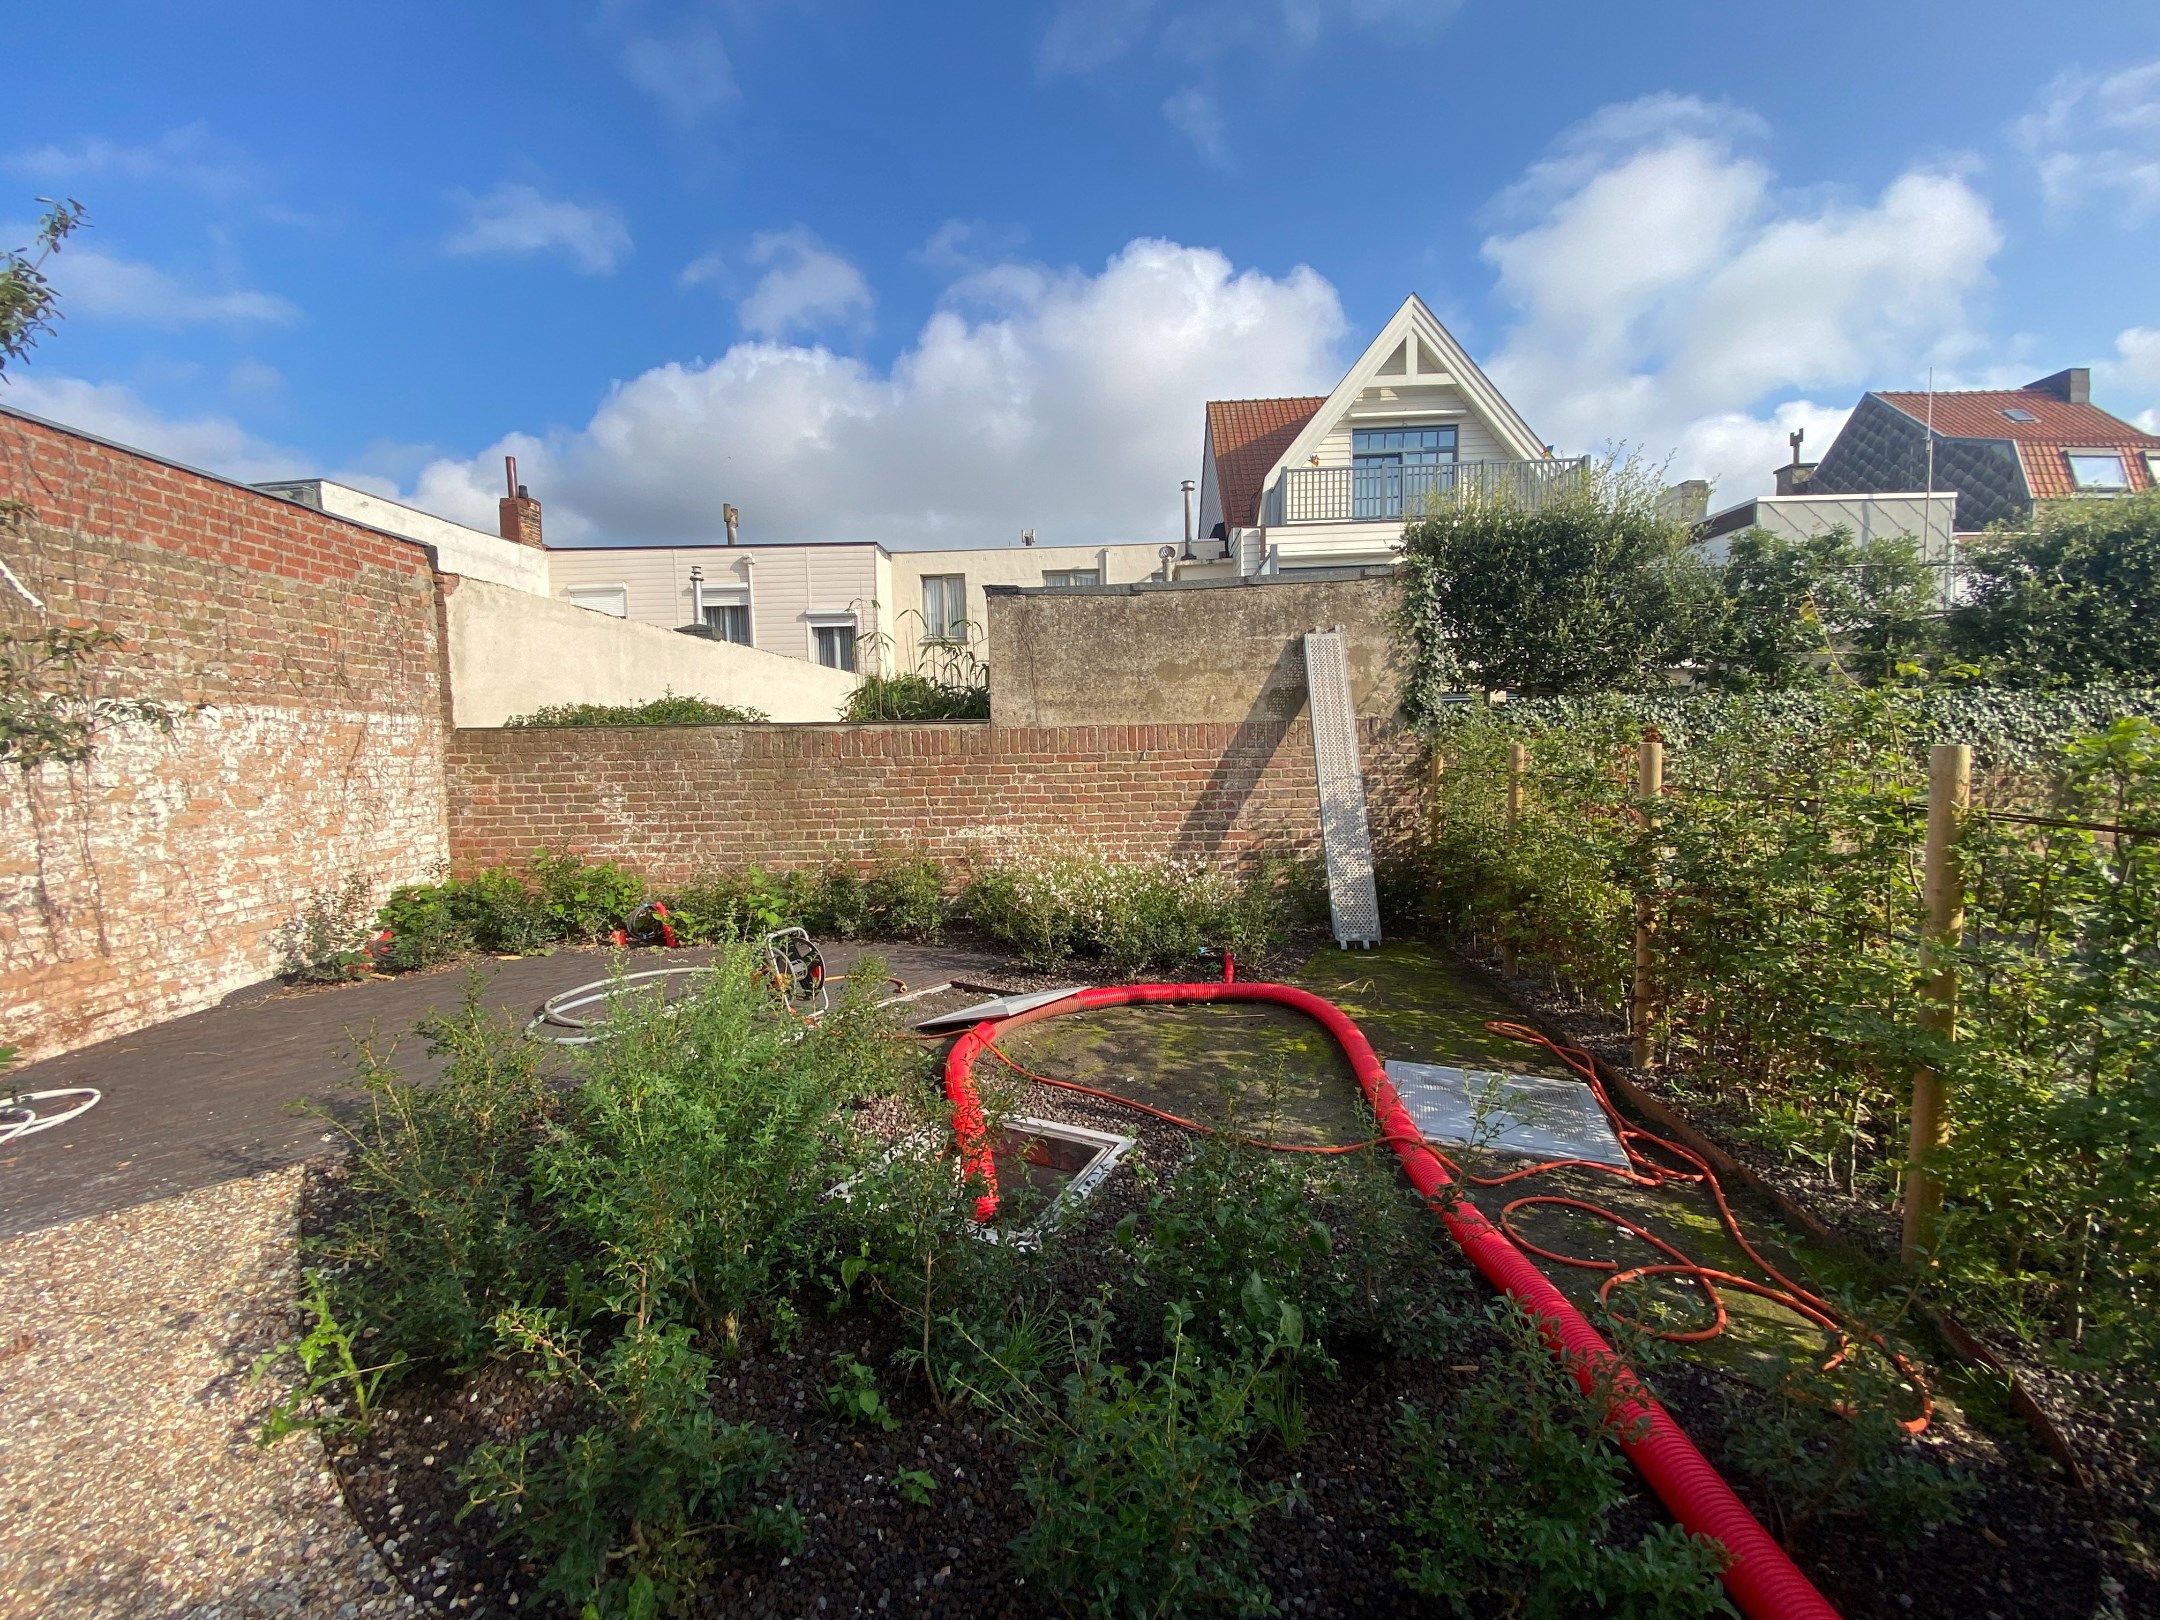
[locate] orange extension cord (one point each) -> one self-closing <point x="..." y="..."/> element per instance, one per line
<point x="1644" y="1172"/>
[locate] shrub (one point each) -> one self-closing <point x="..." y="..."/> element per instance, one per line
<point x="1795" y="608"/>
<point x="905" y="896"/>
<point x="1513" y="1492"/>
<point x="1132" y="914"/>
<point x="586" y="900"/>
<point x="1136" y="1480"/>
<point x="327" y="942"/>
<point x="626" y="1514"/>
<point x="696" y="1154"/>
<point x="2072" y="599"/>
<point x="438" y="1232"/>
<point x="425" y="927"/>
<point x="916" y="697"/>
<point x="719" y="905"/>
<point x="672" y="710"/>
<point x="501" y="913"/>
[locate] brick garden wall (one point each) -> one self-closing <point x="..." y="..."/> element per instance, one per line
<point x="668" y="801"/>
<point x="146" y="883"/>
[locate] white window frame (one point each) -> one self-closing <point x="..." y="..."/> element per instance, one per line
<point x="953" y="626"/>
<point x="2122" y="469"/>
<point x="579" y="596"/>
<point x="1071" y="579"/>
<point x="814" y="622"/>
<point x="2152" y="468"/>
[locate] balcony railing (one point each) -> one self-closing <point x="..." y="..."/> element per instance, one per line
<point x="1394" y="493"/>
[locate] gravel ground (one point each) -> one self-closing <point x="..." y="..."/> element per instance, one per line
<point x="130" y="1482"/>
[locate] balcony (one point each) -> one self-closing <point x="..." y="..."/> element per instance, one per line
<point x="1394" y="493"/>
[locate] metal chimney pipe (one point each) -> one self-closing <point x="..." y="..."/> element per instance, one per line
<point x="1188" y="487"/>
<point x="697" y="594"/>
<point x="733" y="520"/>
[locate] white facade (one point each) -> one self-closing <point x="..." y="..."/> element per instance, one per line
<point x="1414" y="421"/>
<point x="1928" y="519"/>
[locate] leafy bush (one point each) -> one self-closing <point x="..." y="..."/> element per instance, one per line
<point x="2071" y="599"/>
<point x="1795" y="609"/>
<point x="501" y="913"/>
<point x="1136" y="1480"/>
<point x="1596" y="588"/>
<point x="625" y="1516"/>
<point x="438" y="1232"/>
<point x="327" y="942"/>
<point x="1513" y="1493"/>
<point x="586" y="900"/>
<point x="674" y="709"/>
<point x="906" y="898"/>
<point x="916" y="697"/>
<point x="425" y="926"/>
<point x="1134" y="915"/>
<point x="718" y="905"/>
<point x="695" y="1156"/>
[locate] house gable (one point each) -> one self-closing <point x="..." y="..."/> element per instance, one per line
<point x="1414" y="370"/>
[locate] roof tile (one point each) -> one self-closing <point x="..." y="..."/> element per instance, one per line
<point x="1249" y="436"/>
<point x="2057" y="425"/>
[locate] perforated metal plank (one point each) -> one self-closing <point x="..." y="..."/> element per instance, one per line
<point x="1536" y="1116"/>
<point x="1345" y="833"/>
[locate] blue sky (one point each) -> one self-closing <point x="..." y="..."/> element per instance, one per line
<point x="938" y="273"/>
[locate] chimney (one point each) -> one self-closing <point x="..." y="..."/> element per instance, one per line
<point x="733" y="520"/>
<point x="517" y="513"/>
<point x="1792" y="478"/>
<point x="1188" y="487"/>
<point x="2074" y="385"/>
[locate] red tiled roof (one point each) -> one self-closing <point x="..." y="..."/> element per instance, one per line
<point x="2058" y="425"/>
<point x="1249" y="436"/>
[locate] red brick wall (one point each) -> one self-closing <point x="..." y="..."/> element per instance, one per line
<point x="668" y="801"/>
<point x="145" y="883"/>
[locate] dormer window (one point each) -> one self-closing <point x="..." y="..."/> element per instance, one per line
<point x="2099" y="471"/>
<point x="2018" y="413"/>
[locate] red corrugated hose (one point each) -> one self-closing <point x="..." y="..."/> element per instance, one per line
<point x="1762" y="1580"/>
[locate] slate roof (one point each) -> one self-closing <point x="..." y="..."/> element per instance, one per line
<point x="2058" y="425"/>
<point x="1249" y="436"/>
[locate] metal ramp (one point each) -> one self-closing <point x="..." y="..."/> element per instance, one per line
<point x="1345" y="834"/>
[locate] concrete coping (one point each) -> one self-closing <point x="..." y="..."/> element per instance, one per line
<point x="1141" y="587"/>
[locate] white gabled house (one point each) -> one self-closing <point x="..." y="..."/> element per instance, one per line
<point x="1303" y="483"/>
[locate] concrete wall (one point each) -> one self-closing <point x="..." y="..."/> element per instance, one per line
<point x="1230" y="651"/>
<point x="301" y="652"/>
<point x="469" y="553"/>
<point x="511" y="653"/>
<point x="675" y="800"/>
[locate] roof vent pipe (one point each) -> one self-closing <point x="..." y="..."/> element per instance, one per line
<point x="733" y="520"/>
<point x="1188" y="487"/>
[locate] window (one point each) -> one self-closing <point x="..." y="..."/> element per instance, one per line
<point x="835" y="645"/>
<point x="613" y="599"/>
<point x="1393" y="470"/>
<point x="944" y="607"/>
<point x="2098" y="470"/>
<point x="2018" y="413"/>
<point x="2152" y="468"/>
<point x="1069" y="577"/>
<point x="730" y="621"/>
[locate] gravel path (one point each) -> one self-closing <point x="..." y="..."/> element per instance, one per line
<point x="130" y="1483"/>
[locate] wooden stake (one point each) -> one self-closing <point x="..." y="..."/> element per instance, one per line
<point x="1518" y="770"/>
<point x="1649" y="784"/>
<point x="1949" y="797"/>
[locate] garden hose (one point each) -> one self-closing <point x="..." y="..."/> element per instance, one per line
<point x="18" y="1118"/>
<point x="1763" y="1581"/>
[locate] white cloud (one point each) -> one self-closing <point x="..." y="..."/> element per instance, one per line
<point x="1196" y="114"/>
<point x="520" y="220"/>
<point x="1085" y="35"/>
<point x="189" y="156"/>
<point x="686" y="71"/>
<point x="806" y="286"/>
<point x="2132" y="378"/>
<point x="1072" y="409"/>
<point x="93" y="285"/>
<point x="1670" y="296"/>
<point x="968" y="244"/>
<point x="112" y="411"/>
<point x="2095" y="140"/>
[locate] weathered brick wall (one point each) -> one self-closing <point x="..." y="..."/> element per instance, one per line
<point x="146" y="883"/>
<point x="669" y="801"/>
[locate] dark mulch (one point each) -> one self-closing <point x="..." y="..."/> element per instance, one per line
<point x="2025" y="1544"/>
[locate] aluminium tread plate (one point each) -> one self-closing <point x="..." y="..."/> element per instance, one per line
<point x="1345" y="833"/>
<point x="1533" y="1116"/>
